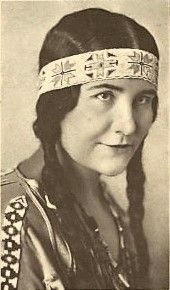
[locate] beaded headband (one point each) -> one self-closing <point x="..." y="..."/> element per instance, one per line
<point x="104" y="64"/>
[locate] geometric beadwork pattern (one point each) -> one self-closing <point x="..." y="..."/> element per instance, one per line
<point x="12" y="226"/>
<point x="142" y="64"/>
<point x="99" y="65"/>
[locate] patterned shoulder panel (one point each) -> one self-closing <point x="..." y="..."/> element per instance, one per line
<point x="11" y="187"/>
<point x="13" y="221"/>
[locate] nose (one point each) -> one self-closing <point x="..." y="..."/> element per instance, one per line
<point x="124" y="120"/>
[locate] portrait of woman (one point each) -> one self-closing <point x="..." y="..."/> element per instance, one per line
<point x="63" y="226"/>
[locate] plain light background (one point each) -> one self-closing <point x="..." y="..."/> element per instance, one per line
<point x="24" y="25"/>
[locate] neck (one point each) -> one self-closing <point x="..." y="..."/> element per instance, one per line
<point x="83" y="182"/>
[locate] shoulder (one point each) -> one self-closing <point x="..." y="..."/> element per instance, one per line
<point x="11" y="189"/>
<point x="29" y="242"/>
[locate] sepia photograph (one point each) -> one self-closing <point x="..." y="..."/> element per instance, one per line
<point x="84" y="150"/>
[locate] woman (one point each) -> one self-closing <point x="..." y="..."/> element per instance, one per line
<point x="97" y="101"/>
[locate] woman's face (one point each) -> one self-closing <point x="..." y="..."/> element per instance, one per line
<point x="108" y="124"/>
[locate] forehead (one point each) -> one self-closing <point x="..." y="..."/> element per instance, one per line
<point x="131" y="85"/>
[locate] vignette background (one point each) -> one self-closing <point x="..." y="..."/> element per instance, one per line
<point x="24" y="25"/>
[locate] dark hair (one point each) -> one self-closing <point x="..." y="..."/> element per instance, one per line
<point x="82" y="31"/>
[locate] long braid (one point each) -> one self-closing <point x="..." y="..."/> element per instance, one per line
<point x="53" y="173"/>
<point x="47" y="129"/>
<point x="135" y="193"/>
<point x="54" y="183"/>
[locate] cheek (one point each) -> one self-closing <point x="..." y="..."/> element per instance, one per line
<point x="144" y="121"/>
<point x="84" y="124"/>
<point x="77" y="132"/>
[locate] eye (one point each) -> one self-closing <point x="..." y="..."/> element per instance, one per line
<point x="105" y="96"/>
<point x="143" y="100"/>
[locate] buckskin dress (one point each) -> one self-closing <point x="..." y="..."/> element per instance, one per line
<point x="37" y="254"/>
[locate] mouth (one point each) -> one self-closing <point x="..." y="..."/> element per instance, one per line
<point x="119" y="146"/>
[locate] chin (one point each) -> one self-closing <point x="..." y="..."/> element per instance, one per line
<point x="111" y="164"/>
<point x="112" y="170"/>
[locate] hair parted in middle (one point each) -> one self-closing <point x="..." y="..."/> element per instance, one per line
<point x="89" y="30"/>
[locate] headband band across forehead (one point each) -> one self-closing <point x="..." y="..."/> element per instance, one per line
<point x="104" y="64"/>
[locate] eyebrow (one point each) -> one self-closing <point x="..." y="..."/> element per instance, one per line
<point x="107" y="86"/>
<point x="149" y="91"/>
<point x="120" y="89"/>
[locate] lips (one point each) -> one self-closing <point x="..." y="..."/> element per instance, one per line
<point x="119" y="146"/>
